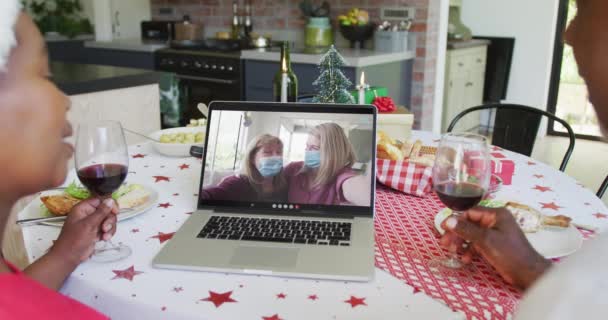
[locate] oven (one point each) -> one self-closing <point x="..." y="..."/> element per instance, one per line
<point x="202" y="77"/>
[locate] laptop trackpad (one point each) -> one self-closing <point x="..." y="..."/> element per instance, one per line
<point x="265" y="257"/>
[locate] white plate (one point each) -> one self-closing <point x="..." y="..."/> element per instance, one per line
<point x="176" y="149"/>
<point x="35" y="208"/>
<point x="549" y="242"/>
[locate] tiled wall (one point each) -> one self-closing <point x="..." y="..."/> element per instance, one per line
<point x="285" y="15"/>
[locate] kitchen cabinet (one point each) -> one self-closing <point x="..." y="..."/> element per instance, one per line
<point x="464" y="84"/>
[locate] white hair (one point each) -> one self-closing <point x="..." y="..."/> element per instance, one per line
<point x="9" y="12"/>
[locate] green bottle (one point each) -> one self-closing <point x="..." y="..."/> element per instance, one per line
<point x="285" y="83"/>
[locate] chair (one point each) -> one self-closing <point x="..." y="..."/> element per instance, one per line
<point x="516" y="126"/>
<point x="602" y="189"/>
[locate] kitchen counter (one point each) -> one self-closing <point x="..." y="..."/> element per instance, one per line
<point x="354" y="57"/>
<point x="127" y="45"/>
<point x="76" y="79"/>
<point x="468" y="44"/>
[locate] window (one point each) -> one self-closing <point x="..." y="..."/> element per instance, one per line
<point x="568" y="96"/>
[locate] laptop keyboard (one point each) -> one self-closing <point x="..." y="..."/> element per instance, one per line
<point x="277" y="230"/>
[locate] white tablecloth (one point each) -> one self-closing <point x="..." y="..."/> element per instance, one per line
<point x="132" y="289"/>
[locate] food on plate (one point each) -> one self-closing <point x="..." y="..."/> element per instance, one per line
<point x="181" y="137"/>
<point x="531" y="220"/>
<point x="127" y="196"/>
<point x="414" y="152"/>
<point x="197" y="123"/>
<point x="59" y="205"/>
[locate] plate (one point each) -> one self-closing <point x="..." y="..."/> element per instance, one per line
<point x="176" y="149"/>
<point x="550" y="242"/>
<point x="34" y="208"/>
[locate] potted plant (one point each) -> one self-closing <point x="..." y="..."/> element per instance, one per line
<point x="318" y="31"/>
<point x="63" y="17"/>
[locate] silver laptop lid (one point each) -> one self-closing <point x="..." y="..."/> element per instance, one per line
<point x="289" y="158"/>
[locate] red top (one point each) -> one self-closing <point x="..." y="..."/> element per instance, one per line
<point x="24" y="298"/>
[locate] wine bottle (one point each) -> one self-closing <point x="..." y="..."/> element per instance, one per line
<point x="236" y="24"/>
<point x="285" y="84"/>
<point x="248" y="24"/>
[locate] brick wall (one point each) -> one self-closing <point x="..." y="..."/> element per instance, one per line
<point x="285" y="15"/>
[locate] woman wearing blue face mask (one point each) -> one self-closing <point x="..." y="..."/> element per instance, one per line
<point x="262" y="176"/>
<point x="325" y="176"/>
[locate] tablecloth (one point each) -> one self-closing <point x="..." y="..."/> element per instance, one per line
<point x="406" y="243"/>
<point x="133" y="289"/>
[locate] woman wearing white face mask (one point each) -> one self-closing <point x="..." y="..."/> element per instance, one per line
<point x="262" y="177"/>
<point x="325" y="176"/>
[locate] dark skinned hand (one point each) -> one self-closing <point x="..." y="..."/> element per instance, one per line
<point x="496" y="236"/>
<point x="90" y="221"/>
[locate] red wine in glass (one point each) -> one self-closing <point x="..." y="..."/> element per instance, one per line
<point x="461" y="175"/>
<point x="102" y="162"/>
<point x="459" y="196"/>
<point x="103" y="179"/>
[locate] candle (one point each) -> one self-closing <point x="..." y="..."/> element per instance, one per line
<point x="284" y="82"/>
<point x="362" y="87"/>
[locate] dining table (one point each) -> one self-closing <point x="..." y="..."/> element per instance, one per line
<point x="407" y="284"/>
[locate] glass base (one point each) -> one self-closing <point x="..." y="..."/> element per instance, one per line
<point x="452" y="263"/>
<point x="111" y="253"/>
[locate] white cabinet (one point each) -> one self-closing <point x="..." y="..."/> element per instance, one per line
<point x="119" y="19"/>
<point x="464" y="84"/>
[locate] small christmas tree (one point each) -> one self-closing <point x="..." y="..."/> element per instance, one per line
<point x="332" y="84"/>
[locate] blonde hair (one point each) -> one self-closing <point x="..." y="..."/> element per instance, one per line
<point x="250" y="171"/>
<point x="337" y="153"/>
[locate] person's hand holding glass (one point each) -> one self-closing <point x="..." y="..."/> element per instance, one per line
<point x="461" y="175"/>
<point x="102" y="163"/>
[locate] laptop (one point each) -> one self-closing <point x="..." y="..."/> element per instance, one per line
<point x="302" y="225"/>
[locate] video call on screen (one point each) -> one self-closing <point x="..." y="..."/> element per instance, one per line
<point x="289" y="157"/>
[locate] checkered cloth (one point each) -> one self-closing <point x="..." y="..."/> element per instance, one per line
<point x="404" y="176"/>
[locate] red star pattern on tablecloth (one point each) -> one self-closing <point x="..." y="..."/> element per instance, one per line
<point x="416" y="290"/>
<point x="178" y="289"/>
<point x="542" y="189"/>
<point x="600" y="215"/>
<point x="162" y="237"/>
<point x="219" y="298"/>
<point x="281" y="296"/>
<point x="138" y="156"/>
<point x="161" y="178"/>
<point x="313" y="297"/>
<point x="128" y="273"/>
<point x="495" y="148"/>
<point x="275" y="317"/>
<point x="354" y="301"/>
<point x="165" y="205"/>
<point x="551" y="205"/>
<point x="539" y="176"/>
<point x="184" y="166"/>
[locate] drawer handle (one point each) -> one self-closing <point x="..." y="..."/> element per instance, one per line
<point x="460" y="64"/>
<point x="469" y="84"/>
<point x="479" y="60"/>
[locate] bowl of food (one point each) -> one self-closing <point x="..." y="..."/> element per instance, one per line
<point x="176" y="142"/>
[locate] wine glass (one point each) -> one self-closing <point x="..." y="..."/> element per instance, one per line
<point x="102" y="162"/>
<point x="461" y="175"/>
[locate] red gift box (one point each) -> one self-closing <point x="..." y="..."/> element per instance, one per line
<point x="503" y="167"/>
<point x="405" y="176"/>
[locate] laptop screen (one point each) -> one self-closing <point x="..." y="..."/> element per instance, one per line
<point x="284" y="158"/>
